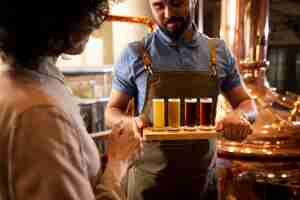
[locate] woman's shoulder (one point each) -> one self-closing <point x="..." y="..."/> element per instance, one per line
<point x="20" y="92"/>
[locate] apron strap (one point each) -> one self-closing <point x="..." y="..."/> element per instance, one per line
<point x="213" y="56"/>
<point x="132" y="106"/>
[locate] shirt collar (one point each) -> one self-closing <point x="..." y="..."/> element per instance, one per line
<point x="194" y="42"/>
<point x="47" y="67"/>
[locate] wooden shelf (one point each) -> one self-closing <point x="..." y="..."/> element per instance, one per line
<point x="151" y="134"/>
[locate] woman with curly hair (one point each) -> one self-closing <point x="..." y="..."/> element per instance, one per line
<point x="45" y="151"/>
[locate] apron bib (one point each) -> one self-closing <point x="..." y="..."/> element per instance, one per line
<point x="179" y="168"/>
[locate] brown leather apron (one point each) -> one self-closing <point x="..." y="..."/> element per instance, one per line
<point x="175" y="169"/>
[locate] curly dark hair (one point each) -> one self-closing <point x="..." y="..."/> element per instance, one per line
<point x="35" y="28"/>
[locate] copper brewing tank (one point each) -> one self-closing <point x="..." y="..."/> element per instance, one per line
<point x="267" y="163"/>
<point x="245" y="28"/>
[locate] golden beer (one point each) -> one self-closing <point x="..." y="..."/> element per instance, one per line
<point x="174" y="113"/>
<point x="158" y="106"/>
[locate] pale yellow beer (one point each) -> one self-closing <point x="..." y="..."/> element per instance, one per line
<point x="158" y="108"/>
<point x="174" y="113"/>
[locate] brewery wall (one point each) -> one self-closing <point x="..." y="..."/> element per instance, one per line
<point x="212" y="17"/>
<point x="284" y="46"/>
<point x="283" y="72"/>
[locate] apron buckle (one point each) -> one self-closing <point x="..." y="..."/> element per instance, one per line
<point x="148" y="69"/>
<point x="213" y="71"/>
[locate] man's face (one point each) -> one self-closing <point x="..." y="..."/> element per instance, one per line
<point x="171" y="15"/>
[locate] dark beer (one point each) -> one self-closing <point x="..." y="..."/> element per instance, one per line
<point x="206" y="118"/>
<point x="190" y="112"/>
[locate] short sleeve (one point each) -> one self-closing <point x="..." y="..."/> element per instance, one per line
<point x="124" y="71"/>
<point x="231" y="77"/>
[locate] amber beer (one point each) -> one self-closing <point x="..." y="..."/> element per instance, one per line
<point x="206" y="111"/>
<point x="158" y="106"/>
<point x="174" y="113"/>
<point x="190" y="114"/>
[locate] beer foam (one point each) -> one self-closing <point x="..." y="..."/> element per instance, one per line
<point x="190" y="100"/>
<point x="206" y="100"/>
<point x="158" y="100"/>
<point x="174" y="100"/>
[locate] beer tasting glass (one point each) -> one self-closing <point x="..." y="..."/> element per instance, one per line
<point x="174" y="113"/>
<point x="190" y="114"/>
<point x="158" y="105"/>
<point x="206" y="112"/>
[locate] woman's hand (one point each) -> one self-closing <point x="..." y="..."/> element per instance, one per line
<point x="124" y="147"/>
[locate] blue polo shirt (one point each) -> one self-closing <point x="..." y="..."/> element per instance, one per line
<point x="194" y="55"/>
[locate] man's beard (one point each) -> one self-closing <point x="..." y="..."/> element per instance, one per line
<point x="183" y="22"/>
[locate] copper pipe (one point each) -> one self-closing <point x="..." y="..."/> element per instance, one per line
<point x="295" y="111"/>
<point x="246" y="30"/>
<point x="137" y="20"/>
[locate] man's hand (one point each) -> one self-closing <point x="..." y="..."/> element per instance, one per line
<point x="140" y="123"/>
<point x="234" y="127"/>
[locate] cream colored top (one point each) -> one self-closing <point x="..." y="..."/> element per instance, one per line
<point x="45" y="151"/>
